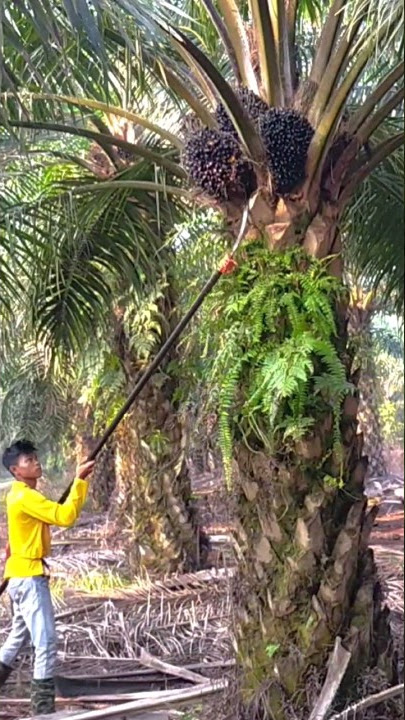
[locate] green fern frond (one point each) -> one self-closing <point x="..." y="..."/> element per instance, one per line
<point x="226" y="400"/>
<point x="271" y="364"/>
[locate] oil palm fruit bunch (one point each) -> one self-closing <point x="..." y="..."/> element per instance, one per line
<point x="215" y="163"/>
<point x="252" y="103"/>
<point x="286" y="136"/>
<point x="214" y="158"/>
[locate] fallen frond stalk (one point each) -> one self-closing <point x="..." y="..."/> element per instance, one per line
<point x="351" y="711"/>
<point x="338" y="663"/>
<point x="153" y="701"/>
<point x="148" y="660"/>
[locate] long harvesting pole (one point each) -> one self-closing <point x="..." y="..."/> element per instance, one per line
<point x="225" y="268"/>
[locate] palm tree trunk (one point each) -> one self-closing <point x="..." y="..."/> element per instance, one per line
<point x="360" y="315"/>
<point x="152" y="497"/>
<point x="103" y="476"/>
<point x="307" y="574"/>
<point x="369" y="422"/>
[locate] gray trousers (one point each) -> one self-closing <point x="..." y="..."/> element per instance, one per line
<point x="33" y="620"/>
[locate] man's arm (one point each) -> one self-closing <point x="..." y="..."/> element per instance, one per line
<point x="52" y="513"/>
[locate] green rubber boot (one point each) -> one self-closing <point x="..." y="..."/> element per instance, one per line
<point x="43" y="696"/>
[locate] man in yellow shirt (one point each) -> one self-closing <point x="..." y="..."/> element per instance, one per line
<point x="29" y="515"/>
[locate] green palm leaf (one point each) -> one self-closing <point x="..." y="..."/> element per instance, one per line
<point x="248" y="135"/>
<point x="80" y="239"/>
<point x="374" y="227"/>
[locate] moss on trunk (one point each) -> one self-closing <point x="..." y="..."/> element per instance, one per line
<point x="307" y="576"/>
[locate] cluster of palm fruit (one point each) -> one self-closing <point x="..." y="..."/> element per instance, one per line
<point x="286" y="135"/>
<point x="252" y="104"/>
<point x="214" y="158"/>
<point x="215" y="163"/>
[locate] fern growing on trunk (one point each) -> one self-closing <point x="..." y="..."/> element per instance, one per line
<point x="273" y="363"/>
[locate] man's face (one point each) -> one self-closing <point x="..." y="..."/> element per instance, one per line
<point x="27" y="467"/>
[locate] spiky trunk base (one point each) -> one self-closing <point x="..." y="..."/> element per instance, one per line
<point x="307" y="577"/>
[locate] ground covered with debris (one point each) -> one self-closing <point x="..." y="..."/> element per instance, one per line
<point x="159" y="643"/>
<point x="162" y="649"/>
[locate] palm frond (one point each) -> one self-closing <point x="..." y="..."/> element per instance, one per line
<point x="246" y="130"/>
<point x="367" y="107"/>
<point x="95" y="105"/>
<point x="376" y="119"/>
<point x="223" y="33"/>
<point x="268" y="40"/>
<point x="240" y="42"/>
<point x="33" y="403"/>
<point x="327" y="40"/>
<point x="388" y="340"/>
<point x="79" y="239"/>
<point x="364" y="166"/>
<point x="374" y="228"/>
<point x="159" y="157"/>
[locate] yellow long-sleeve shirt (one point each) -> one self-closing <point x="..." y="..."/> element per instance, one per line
<point x="29" y="514"/>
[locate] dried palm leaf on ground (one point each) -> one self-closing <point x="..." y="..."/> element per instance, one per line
<point x="185" y="615"/>
<point x="85" y="669"/>
<point x="187" y="632"/>
<point x="390" y="563"/>
<point x="80" y="563"/>
<point x="69" y="687"/>
<point x="337" y="666"/>
<point x="135" y="706"/>
<point x="184" y="620"/>
<point x="160" y="715"/>
<point x="171" y="586"/>
<point x="181" y="620"/>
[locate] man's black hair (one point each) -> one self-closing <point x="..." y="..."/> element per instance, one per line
<point x="12" y="453"/>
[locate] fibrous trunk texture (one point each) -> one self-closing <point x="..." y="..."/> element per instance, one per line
<point x="103" y="476"/>
<point x="153" y="498"/>
<point x="307" y="574"/>
<point x="368" y="415"/>
<point x="369" y="422"/>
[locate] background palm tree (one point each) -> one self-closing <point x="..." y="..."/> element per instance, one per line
<point x="363" y="306"/>
<point x="375" y="275"/>
<point x="281" y="377"/>
<point x="93" y="305"/>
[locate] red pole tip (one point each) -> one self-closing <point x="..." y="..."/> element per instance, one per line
<point x="228" y="266"/>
